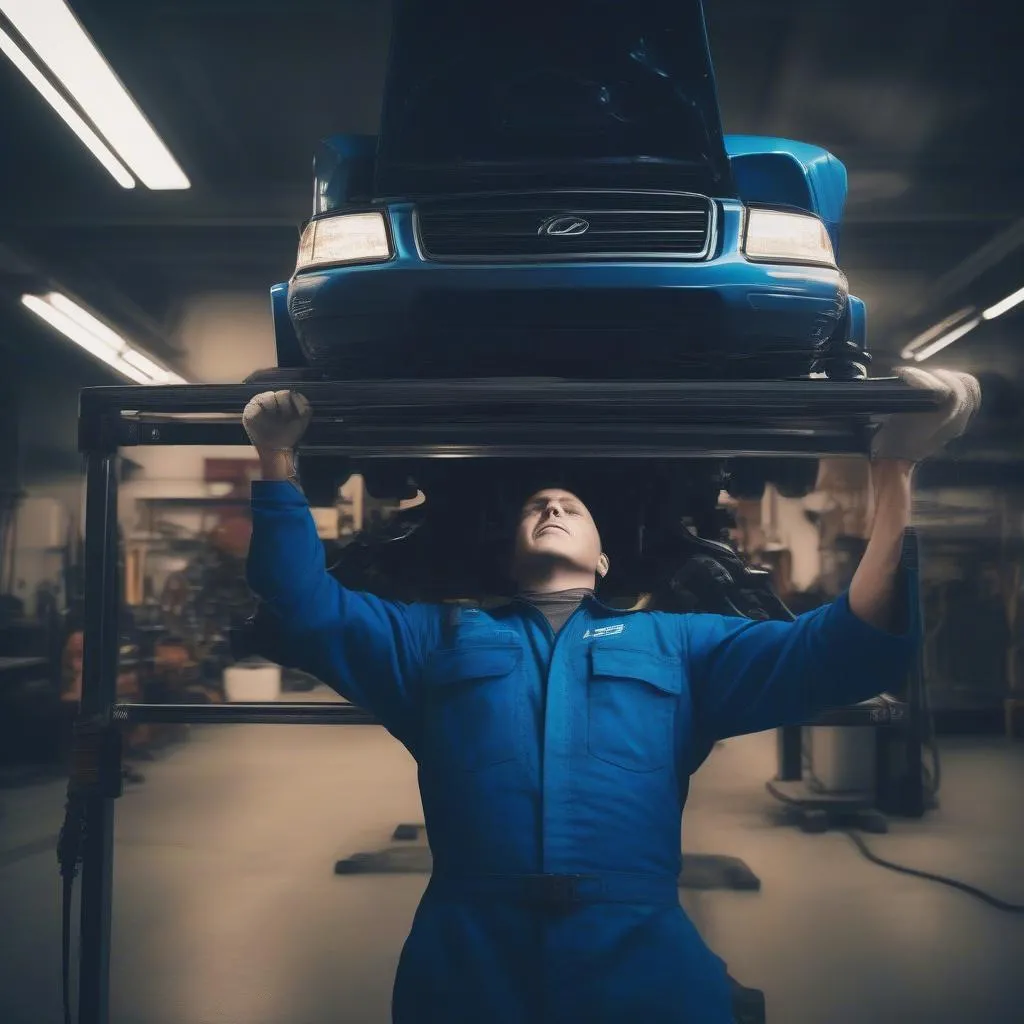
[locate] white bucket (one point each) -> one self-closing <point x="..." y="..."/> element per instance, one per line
<point x="246" y="684"/>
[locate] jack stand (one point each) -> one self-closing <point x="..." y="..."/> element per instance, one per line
<point x="818" y="812"/>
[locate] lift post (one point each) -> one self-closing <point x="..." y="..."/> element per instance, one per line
<point x="414" y="419"/>
<point x="99" y="689"/>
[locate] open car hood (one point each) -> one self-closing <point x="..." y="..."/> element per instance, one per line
<point x="486" y="94"/>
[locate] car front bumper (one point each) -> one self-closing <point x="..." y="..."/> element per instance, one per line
<point x="623" y="318"/>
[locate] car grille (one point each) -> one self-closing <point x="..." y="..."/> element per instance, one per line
<point x="559" y="226"/>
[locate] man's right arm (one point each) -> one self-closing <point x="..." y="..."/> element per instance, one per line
<point x="278" y="465"/>
<point x="369" y="650"/>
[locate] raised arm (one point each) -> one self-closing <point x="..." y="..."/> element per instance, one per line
<point x="369" y="650"/>
<point x="748" y="676"/>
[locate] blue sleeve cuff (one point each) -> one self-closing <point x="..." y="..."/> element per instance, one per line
<point x="751" y="676"/>
<point x="882" y="658"/>
<point x="277" y="494"/>
<point x="908" y="600"/>
<point x="858" y="631"/>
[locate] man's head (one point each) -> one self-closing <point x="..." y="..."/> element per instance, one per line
<point x="557" y="545"/>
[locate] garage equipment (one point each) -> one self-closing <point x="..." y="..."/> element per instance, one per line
<point x="484" y="419"/>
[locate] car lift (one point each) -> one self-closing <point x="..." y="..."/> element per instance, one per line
<point x="494" y="418"/>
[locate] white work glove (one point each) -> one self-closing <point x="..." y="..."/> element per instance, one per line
<point x="276" y="420"/>
<point x="915" y="436"/>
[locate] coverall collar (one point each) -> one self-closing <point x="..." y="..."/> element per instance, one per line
<point x="593" y="603"/>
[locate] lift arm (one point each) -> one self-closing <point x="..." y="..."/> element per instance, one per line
<point x="520" y="418"/>
<point x="431" y="419"/>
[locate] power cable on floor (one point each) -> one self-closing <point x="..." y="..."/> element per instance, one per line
<point x="864" y="849"/>
<point x="1013" y="908"/>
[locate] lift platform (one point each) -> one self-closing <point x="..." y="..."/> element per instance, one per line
<point x="520" y="418"/>
<point x="407" y="419"/>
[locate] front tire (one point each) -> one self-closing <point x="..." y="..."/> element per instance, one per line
<point x="795" y="478"/>
<point x="322" y="478"/>
<point x="747" y="479"/>
<point x="792" y="478"/>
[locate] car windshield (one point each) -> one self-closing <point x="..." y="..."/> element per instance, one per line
<point x="576" y="79"/>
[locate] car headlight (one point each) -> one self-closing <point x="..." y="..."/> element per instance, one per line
<point x="777" y="236"/>
<point x="344" y="238"/>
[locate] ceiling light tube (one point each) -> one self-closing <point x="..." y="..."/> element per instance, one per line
<point x="80" y="336"/>
<point x="946" y="340"/>
<point x="1005" y="305"/>
<point x="66" y="112"/>
<point x="143" y="363"/>
<point x="96" y="338"/>
<point x="99" y="330"/>
<point x="936" y="331"/>
<point x="63" y="45"/>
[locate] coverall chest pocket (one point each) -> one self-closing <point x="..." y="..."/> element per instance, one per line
<point x="631" y="704"/>
<point x="473" y="709"/>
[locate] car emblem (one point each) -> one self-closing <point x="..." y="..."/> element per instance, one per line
<point x="564" y="227"/>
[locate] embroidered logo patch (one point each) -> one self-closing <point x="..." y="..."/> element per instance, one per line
<point x="615" y="630"/>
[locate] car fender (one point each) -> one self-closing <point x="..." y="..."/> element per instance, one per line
<point x="782" y="172"/>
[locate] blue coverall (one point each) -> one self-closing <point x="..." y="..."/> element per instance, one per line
<point x="541" y="758"/>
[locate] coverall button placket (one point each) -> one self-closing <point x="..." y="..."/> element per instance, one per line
<point x="560" y="711"/>
<point x="556" y="796"/>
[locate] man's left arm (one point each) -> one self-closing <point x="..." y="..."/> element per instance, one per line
<point x="878" y="592"/>
<point x="750" y="676"/>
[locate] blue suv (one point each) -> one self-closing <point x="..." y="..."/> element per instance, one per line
<point x="551" y="194"/>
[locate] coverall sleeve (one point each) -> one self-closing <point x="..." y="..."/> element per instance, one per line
<point x="369" y="650"/>
<point x="750" y="676"/>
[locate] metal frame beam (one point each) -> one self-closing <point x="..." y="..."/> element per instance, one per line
<point x="520" y="418"/>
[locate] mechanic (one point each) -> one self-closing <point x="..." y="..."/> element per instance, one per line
<point x="555" y="736"/>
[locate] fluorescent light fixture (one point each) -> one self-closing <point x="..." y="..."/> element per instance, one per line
<point x="66" y="112"/>
<point x="1005" y="305"/>
<point x="96" y="338"/>
<point x="146" y="365"/>
<point x="95" y="327"/>
<point x="925" y="337"/>
<point x="955" y="326"/>
<point x="53" y="31"/>
<point x="945" y="340"/>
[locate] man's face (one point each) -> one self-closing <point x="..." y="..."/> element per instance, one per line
<point x="556" y="527"/>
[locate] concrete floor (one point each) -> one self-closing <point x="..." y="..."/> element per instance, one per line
<point x="227" y="911"/>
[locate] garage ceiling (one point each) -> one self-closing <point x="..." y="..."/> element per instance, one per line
<point x="918" y="99"/>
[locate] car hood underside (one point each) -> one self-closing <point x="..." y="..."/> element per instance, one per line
<point x="577" y="91"/>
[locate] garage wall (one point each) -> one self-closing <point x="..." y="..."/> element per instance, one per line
<point x="40" y="377"/>
<point x="226" y="335"/>
<point x="39" y="383"/>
